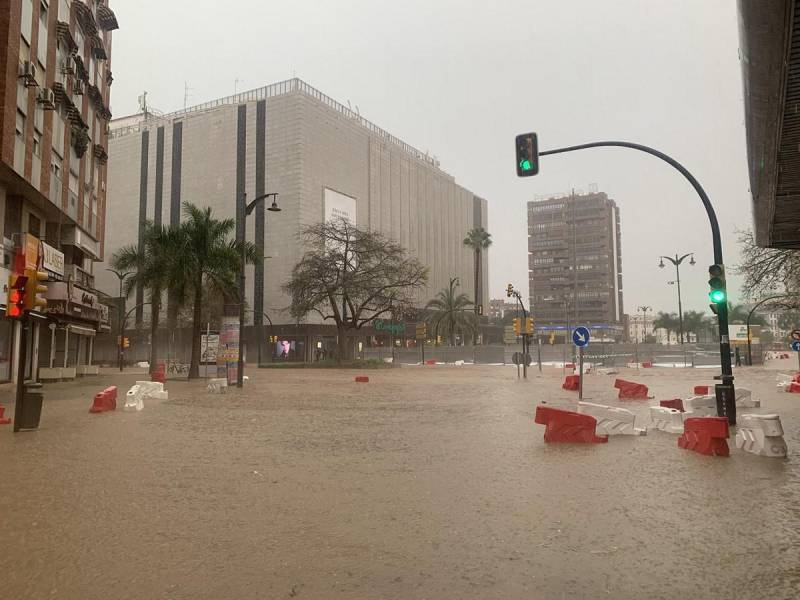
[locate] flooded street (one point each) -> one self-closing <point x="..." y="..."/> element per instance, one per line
<point x="424" y="483"/>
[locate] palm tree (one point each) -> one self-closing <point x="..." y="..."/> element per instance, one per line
<point x="450" y="312"/>
<point x="206" y="260"/>
<point x="668" y="321"/>
<point x="479" y="240"/>
<point x="149" y="265"/>
<point x="695" y="322"/>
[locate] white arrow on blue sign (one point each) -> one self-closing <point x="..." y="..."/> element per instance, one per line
<point x="796" y="346"/>
<point x="580" y="337"/>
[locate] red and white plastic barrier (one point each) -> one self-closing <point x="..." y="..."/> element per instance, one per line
<point x="105" y="400"/>
<point x="362" y="379"/>
<point x="675" y="403"/>
<point x="571" y="383"/>
<point x="3" y="420"/>
<point x="701" y="406"/>
<point x="628" y="390"/>
<point x="705" y="435"/>
<point x="611" y="420"/>
<point x="666" y="419"/>
<point x="761" y="435"/>
<point x="744" y="398"/>
<point x="564" y="426"/>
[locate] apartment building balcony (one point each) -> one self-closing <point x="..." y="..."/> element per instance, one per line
<point x="79" y="277"/>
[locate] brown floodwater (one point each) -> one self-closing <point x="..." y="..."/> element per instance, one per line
<point x="427" y="482"/>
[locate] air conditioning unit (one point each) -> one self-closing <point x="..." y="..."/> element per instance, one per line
<point x="28" y="72"/>
<point x="47" y="98"/>
<point x="68" y="66"/>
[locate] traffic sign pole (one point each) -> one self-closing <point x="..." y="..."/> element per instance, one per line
<point x="525" y="355"/>
<point x="580" y="380"/>
<point x="539" y="351"/>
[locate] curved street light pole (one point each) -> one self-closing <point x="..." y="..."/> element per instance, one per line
<point x="726" y="393"/>
<point x="244" y="209"/>
<point x="750" y="314"/>
<point x="121" y="277"/>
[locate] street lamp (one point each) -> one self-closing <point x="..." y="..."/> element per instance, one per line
<point x="677" y="262"/>
<point x="644" y="310"/>
<point x="121" y="312"/>
<point x="750" y="314"/>
<point x="244" y="209"/>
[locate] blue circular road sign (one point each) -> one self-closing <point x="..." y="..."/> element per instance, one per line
<point x="580" y="337"/>
<point x="796" y="345"/>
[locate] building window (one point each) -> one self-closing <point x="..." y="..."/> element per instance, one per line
<point x="63" y="11"/>
<point x="34" y="225"/>
<point x="56" y="164"/>
<point x="20" y="125"/>
<point x="37" y="143"/>
<point x="43" y="33"/>
<point x="26" y="27"/>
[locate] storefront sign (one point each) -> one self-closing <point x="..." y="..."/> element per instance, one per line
<point x="389" y="326"/>
<point x="52" y="259"/>
<point x="29" y="251"/>
<point x="103" y="313"/>
<point x="65" y="298"/>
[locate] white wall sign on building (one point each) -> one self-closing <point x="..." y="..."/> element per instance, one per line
<point x="52" y="259"/>
<point x="339" y="206"/>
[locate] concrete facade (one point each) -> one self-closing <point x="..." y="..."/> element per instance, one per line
<point x="311" y="143"/>
<point x="575" y="260"/>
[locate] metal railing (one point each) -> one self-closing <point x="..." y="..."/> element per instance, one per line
<point x="289" y="86"/>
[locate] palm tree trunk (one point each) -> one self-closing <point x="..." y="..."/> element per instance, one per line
<point x="155" y="306"/>
<point x="194" y="367"/>
<point x="477" y="273"/>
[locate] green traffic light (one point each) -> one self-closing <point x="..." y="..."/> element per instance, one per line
<point x="525" y="164"/>
<point x="717" y="296"/>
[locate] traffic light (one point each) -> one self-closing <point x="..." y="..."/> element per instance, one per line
<point x="552" y="338"/>
<point x="527" y="155"/>
<point x="509" y="290"/>
<point x="33" y="289"/>
<point x="529" y="325"/>
<point x="15" y="306"/>
<point x="126" y="342"/>
<point x="480" y="310"/>
<point x="718" y="294"/>
<point x="517" y="325"/>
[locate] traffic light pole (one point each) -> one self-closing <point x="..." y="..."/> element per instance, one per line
<point x="725" y="391"/>
<point x="21" y="360"/>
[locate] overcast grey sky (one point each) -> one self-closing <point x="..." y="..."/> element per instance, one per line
<point x="462" y="78"/>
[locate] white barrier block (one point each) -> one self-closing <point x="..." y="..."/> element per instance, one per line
<point x="700" y="406"/>
<point x="218" y="385"/>
<point x="148" y="387"/>
<point x="162" y="395"/>
<point x="611" y="420"/>
<point x="761" y="435"/>
<point x="666" y="419"/>
<point x="133" y="399"/>
<point x="634" y="365"/>
<point x="744" y="399"/>
<point x="607" y="371"/>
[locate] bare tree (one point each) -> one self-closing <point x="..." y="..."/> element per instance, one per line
<point x="767" y="271"/>
<point x="352" y="277"/>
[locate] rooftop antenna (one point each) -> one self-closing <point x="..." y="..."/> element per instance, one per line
<point x="186" y="90"/>
<point x="236" y="85"/>
<point x="143" y="104"/>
